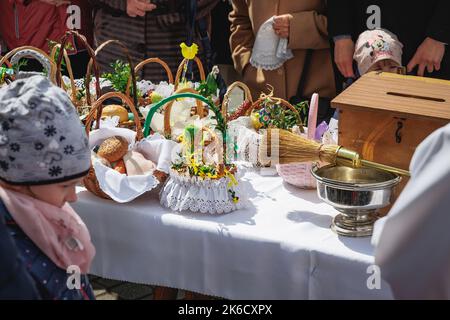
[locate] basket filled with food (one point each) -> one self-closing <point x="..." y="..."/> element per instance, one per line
<point x="201" y="177"/>
<point x="125" y="165"/>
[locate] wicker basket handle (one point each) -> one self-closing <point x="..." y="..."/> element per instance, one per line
<point x="148" y="61"/>
<point x="91" y="53"/>
<point x="97" y="108"/>
<point x="226" y="98"/>
<point x="3" y="61"/>
<point x="168" y="109"/>
<point x="182" y="66"/>
<point x="31" y="52"/>
<point x="69" y="70"/>
<point x="130" y="62"/>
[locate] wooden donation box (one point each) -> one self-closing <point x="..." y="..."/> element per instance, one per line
<point x="386" y="116"/>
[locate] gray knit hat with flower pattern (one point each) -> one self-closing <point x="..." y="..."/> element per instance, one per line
<point x="42" y="140"/>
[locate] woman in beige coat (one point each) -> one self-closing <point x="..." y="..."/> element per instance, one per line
<point x="304" y="24"/>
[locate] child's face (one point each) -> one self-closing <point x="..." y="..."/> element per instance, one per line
<point x="55" y="194"/>
<point x="385" y="66"/>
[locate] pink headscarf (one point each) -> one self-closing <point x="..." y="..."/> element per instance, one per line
<point x="58" y="232"/>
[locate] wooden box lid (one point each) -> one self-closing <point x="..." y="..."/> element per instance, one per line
<point x="409" y="95"/>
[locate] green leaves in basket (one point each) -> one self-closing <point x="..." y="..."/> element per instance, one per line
<point x="208" y="87"/>
<point x="22" y="63"/>
<point x="119" y="77"/>
<point x="272" y="114"/>
<point x="303" y="110"/>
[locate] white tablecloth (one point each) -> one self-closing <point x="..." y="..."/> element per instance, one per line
<point x="279" y="248"/>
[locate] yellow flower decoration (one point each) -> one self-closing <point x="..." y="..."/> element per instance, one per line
<point x="189" y="52"/>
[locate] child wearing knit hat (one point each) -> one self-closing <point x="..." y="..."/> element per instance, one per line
<point x="44" y="154"/>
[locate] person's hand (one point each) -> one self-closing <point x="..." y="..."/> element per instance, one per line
<point x="281" y="25"/>
<point x="429" y="55"/>
<point x="139" y="7"/>
<point x="56" y="2"/>
<point x="343" y="56"/>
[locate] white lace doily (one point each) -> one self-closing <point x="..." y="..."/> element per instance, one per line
<point x="269" y="51"/>
<point x="207" y="196"/>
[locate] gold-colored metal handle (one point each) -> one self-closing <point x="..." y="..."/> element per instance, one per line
<point x="349" y="155"/>
<point x="351" y="158"/>
<point x="370" y="164"/>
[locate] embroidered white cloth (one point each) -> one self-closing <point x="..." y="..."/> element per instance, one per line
<point x="269" y="51"/>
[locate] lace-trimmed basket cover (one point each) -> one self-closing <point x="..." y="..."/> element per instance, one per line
<point x="184" y="191"/>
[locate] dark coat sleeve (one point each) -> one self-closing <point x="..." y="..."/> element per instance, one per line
<point x="439" y="27"/>
<point x="340" y="17"/>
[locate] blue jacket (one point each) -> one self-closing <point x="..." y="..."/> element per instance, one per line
<point x="15" y="281"/>
<point x="49" y="279"/>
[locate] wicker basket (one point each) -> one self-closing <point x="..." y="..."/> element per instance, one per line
<point x="257" y="105"/>
<point x="283" y="103"/>
<point x="183" y="192"/>
<point x="243" y="109"/>
<point x="90" y="181"/>
<point x="299" y="174"/>
<point x="14" y="56"/>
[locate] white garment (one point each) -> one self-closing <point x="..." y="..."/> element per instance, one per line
<point x="413" y="241"/>
<point x="269" y="51"/>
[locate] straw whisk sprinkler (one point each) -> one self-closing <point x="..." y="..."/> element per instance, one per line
<point x="292" y="148"/>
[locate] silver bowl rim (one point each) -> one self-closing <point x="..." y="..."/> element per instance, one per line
<point x="354" y="186"/>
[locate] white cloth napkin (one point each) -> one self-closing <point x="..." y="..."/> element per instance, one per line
<point x="270" y="51"/>
<point x="122" y="188"/>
